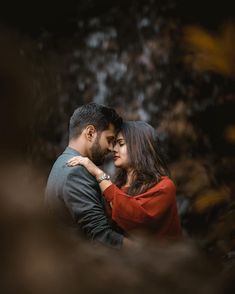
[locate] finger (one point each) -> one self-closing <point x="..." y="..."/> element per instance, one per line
<point x="71" y="163"/>
<point x="72" y="159"/>
<point x="75" y="162"/>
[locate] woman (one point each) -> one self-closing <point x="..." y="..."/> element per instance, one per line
<point x="143" y="197"/>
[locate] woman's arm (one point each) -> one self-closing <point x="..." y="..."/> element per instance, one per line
<point x="93" y="169"/>
<point x="129" y="212"/>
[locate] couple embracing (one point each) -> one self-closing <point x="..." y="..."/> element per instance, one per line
<point x="141" y="198"/>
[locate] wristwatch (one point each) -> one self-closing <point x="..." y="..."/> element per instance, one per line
<point x="104" y="176"/>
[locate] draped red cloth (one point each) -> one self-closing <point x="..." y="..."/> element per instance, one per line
<point x="154" y="211"/>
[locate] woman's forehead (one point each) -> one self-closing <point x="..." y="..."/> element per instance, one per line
<point x="119" y="136"/>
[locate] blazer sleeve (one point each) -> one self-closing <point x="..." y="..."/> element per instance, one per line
<point x="84" y="201"/>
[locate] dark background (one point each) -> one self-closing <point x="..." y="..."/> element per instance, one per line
<point x="57" y="55"/>
<point x="60" y="16"/>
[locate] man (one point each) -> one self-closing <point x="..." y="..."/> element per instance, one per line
<point x="73" y="194"/>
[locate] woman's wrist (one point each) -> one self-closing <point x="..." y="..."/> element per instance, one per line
<point x="98" y="173"/>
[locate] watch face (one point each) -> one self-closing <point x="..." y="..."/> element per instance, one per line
<point x="104" y="177"/>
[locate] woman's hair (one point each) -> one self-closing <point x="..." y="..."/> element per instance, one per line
<point x="144" y="155"/>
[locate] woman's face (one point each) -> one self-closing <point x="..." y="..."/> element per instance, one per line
<point x="120" y="156"/>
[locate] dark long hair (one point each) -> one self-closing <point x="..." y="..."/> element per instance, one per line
<point x="145" y="157"/>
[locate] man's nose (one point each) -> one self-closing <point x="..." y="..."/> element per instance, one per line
<point x="114" y="149"/>
<point x="110" y="147"/>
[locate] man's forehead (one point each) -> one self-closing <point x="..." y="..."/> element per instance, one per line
<point x="110" y="132"/>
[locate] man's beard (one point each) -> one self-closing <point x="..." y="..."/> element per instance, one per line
<point x="97" y="154"/>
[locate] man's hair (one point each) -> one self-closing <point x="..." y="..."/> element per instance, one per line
<point x="99" y="116"/>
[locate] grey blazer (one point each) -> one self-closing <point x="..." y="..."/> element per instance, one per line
<point x="74" y="197"/>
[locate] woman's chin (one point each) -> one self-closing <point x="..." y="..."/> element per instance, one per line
<point x="118" y="165"/>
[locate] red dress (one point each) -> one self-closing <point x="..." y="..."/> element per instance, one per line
<point x="154" y="211"/>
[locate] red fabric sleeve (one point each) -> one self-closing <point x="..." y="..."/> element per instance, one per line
<point x="131" y="211"/>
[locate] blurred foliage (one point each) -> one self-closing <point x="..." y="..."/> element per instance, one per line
<point x="38" y="257"/>
<point x="229" y="134"/>
<point x="211" y="198"/>
<point x="210" y="51"/>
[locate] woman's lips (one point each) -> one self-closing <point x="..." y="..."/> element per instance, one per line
<point x="115" y="157"/>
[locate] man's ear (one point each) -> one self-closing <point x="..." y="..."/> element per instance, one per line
<point x="90" y="132"/>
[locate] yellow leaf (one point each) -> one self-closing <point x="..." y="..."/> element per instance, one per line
<point x="210" y="199"/>
<point x="229" y="133"/>
<point x="209" y="51"/>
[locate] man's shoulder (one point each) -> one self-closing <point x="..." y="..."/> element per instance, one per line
<point x="80" y="173"/>
<point x="60" y="170"/>
<point x="61" y="161"/>
<point x="62" y="176"/>
<point x="60" y="164"/>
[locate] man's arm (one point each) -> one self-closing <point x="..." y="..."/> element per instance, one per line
<point x="83" y="199"/>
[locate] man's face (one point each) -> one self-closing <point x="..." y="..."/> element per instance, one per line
<point x="102" y="145"/>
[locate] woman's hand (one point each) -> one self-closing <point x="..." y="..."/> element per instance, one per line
<point x="91" y="167"/>
<point x="87" y="163"/>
